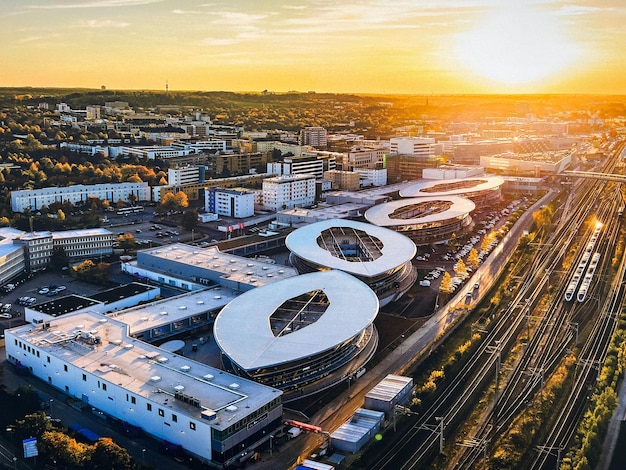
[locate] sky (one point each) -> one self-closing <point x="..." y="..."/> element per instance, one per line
<point x="351" y="46"/>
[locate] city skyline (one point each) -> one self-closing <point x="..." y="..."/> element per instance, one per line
<point x="449" y="46"/>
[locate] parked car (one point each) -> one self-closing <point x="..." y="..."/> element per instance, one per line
<point x="43" y="290"/>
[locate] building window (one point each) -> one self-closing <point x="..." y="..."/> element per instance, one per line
<point x="133" y="400"/>
<point x="174" y="418"/>
<point x="104" y="386"/>
<point x="161" y="412"/>
<point x="149" y="406"/>
<point x="65" y="367"/>
<point x="192" y="426"/>
<point x="84" y="377"/>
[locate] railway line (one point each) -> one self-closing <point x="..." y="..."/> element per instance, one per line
<point x="538" y="299"/>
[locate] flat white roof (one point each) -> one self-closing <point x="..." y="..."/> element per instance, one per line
<point x="396" y="248"/>
<point x="242" y="329"/>
<point x="444" y="187"/>
<point x="163" y="312"/>
<point x="147" y="370"/>
<point x="88" y="232"/>
<point x="232" y="267"/>
<point x="380" y="215"/>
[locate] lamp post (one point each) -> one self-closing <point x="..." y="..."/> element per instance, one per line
<point x="143" y="457"/>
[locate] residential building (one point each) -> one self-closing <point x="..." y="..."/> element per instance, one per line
<point x="348" y="180"/>
<point x="314" y="136"/>
<point x="362" y="157"/>
<point x="185" y="175"/>
<point x="417" y="146"/>
<point x="154" y="151"/>
<point x="282" y="192"/>
<point x="237" y="203"/>
<point x="34" y="199"/>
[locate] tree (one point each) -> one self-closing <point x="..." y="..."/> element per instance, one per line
<point x="472" y="258"/>
<point x="126" y="241"/>
<point x="92" y="272"/>
<point x="460" y="269"/>
<point x="134" y="179"/>
<point x="190" y="219"/>
<point x="107" y="454"/>
<point x="446" y="283"/>
<point x="174" y="201"/>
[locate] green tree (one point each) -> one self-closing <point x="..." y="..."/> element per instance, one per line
<point x="190" y="219"/>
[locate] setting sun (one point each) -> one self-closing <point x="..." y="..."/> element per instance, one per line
<point x="516" y="45"/>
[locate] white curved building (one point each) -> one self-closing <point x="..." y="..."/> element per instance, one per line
<point x="425" y="220"/>
<point x="300" y="335"/>
<point x="481" y="190"/>
<point x="377" y="256"/>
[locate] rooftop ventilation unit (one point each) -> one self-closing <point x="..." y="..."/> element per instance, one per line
<point x="185" y="368"/>
<point x="234" y="386"/>
<point x="155" y="378"/>
<point x="208" y="376"/>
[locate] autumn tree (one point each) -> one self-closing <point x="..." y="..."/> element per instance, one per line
<point x="106" y="454"/>
<point x="126" y="241"/>
<point x="460" y="269"/>
<point x="446" y="283"/>
<point x="174" y="201"/>
<point x="472" y="258"/>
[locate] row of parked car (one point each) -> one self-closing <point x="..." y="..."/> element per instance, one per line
<point x="51" y="290"/>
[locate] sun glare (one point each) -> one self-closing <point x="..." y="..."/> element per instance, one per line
<point x="516" y="45"/>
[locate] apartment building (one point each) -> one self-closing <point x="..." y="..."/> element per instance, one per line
<point x="34" y="199"/>
<point x="287" y="191"/>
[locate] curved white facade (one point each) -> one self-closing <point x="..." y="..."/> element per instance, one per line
<point x="377" y="256"/>
<point x="478" y="189"/>
<point x="425" y="219"/>
<point x="299" y="330"/>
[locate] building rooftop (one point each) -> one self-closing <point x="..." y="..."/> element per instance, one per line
<point x="234" y="268"/>
<point x="419" y="210"/>
<point x="101" y="346"/>
<point x="388" y="249"/>
<point x="458" y="187"/>
<point x="88" y="232"/>
<point x="121" y="292"/>
<point x="64" y="305"/>
<point x="166" y="311"/>
<point x="250" y="319"/>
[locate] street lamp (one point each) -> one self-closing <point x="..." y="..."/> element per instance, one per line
<point x="143" y="457"/>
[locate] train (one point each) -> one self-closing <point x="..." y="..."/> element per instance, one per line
<point x="584" y="287"/>
<point x="572" y="287"/>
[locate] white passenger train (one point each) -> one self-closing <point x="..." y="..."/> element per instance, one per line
<point x="584" y="287"/>
<point x="582" y="265"/>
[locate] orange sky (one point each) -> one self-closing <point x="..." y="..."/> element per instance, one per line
<point x="405" y="46"/>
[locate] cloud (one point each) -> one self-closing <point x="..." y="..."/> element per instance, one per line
<point x="105" y="24"/>
<point x="94" y="4"/>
